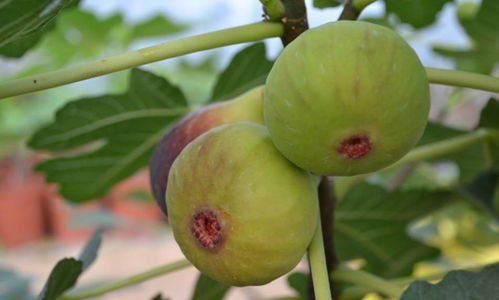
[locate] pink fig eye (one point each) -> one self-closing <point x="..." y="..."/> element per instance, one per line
<point x="207" y="229"/>
<point x="355" y="146"/>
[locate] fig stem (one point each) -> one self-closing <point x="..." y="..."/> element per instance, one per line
<point x="240" y="34"/>
<point x="368" y="280"/>
<point x="135" y="279"/>
<point x="425" y="152"/>
<point x="317" y="260"/>
<point x="274" y="9"/>
<point x="463" y="79"/>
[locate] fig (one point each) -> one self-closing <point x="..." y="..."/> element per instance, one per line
<point x="239" y="210"/>
<point x="246" y="107"/>
<point x="346" y="98"/>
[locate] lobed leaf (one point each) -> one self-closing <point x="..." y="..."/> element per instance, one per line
<point x="298" y="282"/>
<point x="115" y="135"/>
<point x="209" y="289"/>
<point x="248" y="69"/>
<point x="482" y="28"/>
<point x="62" y="277"/>
<point x="470" y="160"/>
<point x="24" y="22"/>
<point x="458" y="285"/>
<point x="418" y="13"/>
<point x="372" y="224"/>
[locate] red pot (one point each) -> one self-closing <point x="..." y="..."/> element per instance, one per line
<point x="21" y="214"/>
<point x="133" y="200"/>
<point x="63" y="218"/>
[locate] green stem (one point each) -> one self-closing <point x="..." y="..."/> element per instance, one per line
<point x="342" y="185"/>
<point x="368" y="280"/>
<point x="359" y="5"/>
<point x="274" y="9"/>
<point x="158" y="271"/>
<point x="463" y="79"/>
<point x="241" y="34"/>
<point x="317" y="259"/>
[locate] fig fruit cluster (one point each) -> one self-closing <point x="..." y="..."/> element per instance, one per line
<point x="238" y="179"/>
<point x="346" y="98"/>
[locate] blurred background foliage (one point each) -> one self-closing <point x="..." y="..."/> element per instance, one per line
<point x="445" y="33"/>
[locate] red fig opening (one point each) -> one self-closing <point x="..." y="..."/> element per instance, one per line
<point x="207" y="229"/>
<point x="355" y="146"/>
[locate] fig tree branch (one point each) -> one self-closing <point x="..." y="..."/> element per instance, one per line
<point x="225" y="37"/>
<point x="141" y="277"/>
<point x="426" y="152"/>
<point x="294" y="20"/>
<point x="353" y="8"/>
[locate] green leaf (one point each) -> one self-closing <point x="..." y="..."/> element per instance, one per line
<point x="248" y="69"/>
<point x="470" y="161"/>
<point x="482" y="28"/>
<point x="482" y="191"/>
<point x="63" y="277"/>
<point x="80" y="34"/>
<point x="158" y="296"/>
<point x="298" y="282"/>
<point x="418" y="13"/>
<point x="326" y="3"/>
<point x="458" y="285"/>
<point x="156" y="26"/>
<point x="372" y="224"/>
<point x="24" y="22"/>
<point x="209" y="289"/>
<point x="89" y="252"/>
<point x="474" y="60"/>
<point x="115" y="135"/>
<point x="489" y="120"/>
<point x="489" y="115"/>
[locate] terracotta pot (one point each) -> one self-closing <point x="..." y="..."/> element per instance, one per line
<point x="64" y="216"/>
<point x="21" y="216"/>
<point x="133" y="200"/>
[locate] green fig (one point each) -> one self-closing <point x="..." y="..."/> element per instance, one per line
<point x="240" y="212"/>
<point x="246" y="107"/>
<point x="346" y="98"/>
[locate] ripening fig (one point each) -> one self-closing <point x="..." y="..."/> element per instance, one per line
<point x="240" y="211"/>
<point x="246" y="107"/>
<point x="346" y="98"/>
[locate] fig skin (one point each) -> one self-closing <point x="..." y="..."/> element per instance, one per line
<point x="346" y="98"/>
<point x="246" y="107"/>
<point x="267" y="207"/>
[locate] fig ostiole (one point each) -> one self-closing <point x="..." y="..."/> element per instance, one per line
<point x="240" y="211"/>
<point x="246" y="107"/>
<point x="346" y="98"/>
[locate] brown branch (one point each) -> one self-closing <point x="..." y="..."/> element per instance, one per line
<point x="349" y="12"/>
<point x="294" y="20"/>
